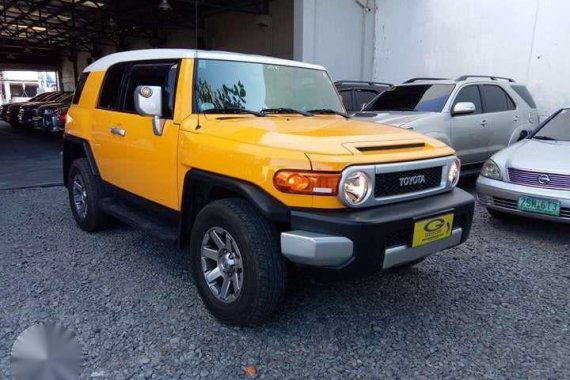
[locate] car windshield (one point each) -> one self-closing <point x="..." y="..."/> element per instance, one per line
<point x="227" y="86"/>
<point x="420" y="98"/>
<point x="557" y="128"/>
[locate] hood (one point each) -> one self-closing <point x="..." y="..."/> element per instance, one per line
<point x="394" y="118"/>
<point x="536" y="155"/>
<point x="322" y="135"/>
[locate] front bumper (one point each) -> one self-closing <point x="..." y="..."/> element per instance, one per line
<point x="356" y="241"/>
<point x="503" y="196"/>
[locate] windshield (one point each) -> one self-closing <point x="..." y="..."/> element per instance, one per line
<point x="226" y="85"/>
<point x="557" y="128"/>
<point x="421" y="98"/>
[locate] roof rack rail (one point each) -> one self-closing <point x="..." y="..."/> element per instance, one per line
<point x="492" y="77"/>
<point x="339" y="82"/>
<point x="421" y="78"/>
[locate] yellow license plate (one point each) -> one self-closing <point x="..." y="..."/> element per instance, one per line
<point x="432" y="229"/>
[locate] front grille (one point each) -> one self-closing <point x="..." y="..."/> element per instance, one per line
<point x="532" y="178"/>
<point x="388" y="184"/>
<point x="513" y="205"/>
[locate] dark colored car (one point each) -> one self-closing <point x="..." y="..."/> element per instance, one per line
<point x="14" y="108"/>
<point x="4" y="108"/>
<point x="356" y="94"/>
<point x="51" y="117"/>
<point x="27" y="112"/>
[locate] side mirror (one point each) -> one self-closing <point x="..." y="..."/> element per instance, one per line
<point x="463" y="108"/>
<point x="148" y="102"/>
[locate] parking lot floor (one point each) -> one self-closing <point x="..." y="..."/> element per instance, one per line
<point x="28" y="158"/>
<point x="496" y="307"/>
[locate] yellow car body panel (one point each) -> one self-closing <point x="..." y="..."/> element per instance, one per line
<point x="244" y="147"/>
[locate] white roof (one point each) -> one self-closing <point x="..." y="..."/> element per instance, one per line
<point x="104" y="63"/>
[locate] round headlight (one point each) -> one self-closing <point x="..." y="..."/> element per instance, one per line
<point x="355" y="188"/>
<point x="453" y="174"/>
<point x="491" y="170"/>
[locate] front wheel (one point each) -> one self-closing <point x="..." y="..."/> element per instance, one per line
<point x="84" y="192"/>
<point x="236" y="263"/>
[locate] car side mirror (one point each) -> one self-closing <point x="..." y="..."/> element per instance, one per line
<point x="463" y="108"/>
<point x="148" y="102"/>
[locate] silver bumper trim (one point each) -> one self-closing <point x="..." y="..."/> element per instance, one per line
<point x="310" y="248"/>
<point x="403" y="254"/>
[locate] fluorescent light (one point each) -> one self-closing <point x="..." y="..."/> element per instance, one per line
<point x="39" y="28"/>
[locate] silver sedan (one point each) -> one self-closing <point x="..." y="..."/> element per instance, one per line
<point x="532" y="177"/>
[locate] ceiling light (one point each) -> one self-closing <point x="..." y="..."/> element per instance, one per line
<point x="164" y="6"/>
<point x="39" y="28"/>
<point x="27" y="51"/>
<point x="11" y="56"/>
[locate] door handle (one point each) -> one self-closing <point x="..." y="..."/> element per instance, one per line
<point x="484" y="122"/>
<point x="118" y="131"/>
<point x="516" y="118"/>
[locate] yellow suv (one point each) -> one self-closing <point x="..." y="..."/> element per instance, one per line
<point x="251" y="163"/>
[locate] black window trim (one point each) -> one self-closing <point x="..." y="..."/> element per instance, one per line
<point x="351" y="91"/>
<point x="123" y="84"/>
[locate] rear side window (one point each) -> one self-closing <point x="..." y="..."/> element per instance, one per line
<point x="79" y="89"/>
<point x="110" y="91"/>
<point x="523" y="93"/>
<point x="470" y="94"/>
<point x="496" y="99"/>
<point x="152" y="74"/>
<point x="421" y="98"/>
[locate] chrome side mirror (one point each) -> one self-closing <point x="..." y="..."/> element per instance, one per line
<point x="463" y="108"/>
<point x="148" y="102"/>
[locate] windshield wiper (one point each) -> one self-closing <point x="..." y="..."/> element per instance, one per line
<point x="285" y="110"/>
<point x="235" y="110"/>
<point x="327" y="111"/>
<point x="548" y="138"/>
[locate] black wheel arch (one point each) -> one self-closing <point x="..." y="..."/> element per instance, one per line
<point x="202" y="187"/>
<point x="74" y="148"/>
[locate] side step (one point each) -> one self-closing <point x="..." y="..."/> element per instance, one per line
<point x="139" y="219"/>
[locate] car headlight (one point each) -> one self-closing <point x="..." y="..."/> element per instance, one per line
<point x="491" y="170"/>
<point x="355" y="188"/>
<point x="454" y="170"/>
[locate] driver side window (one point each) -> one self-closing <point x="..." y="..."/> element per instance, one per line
<point x="470" y="94"/>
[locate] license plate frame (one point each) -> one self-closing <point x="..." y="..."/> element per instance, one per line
<point x="432" y="229"/>
<point x="537" y="205"/>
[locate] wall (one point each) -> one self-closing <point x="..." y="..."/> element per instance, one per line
<point x="337" y="34"/>
<point x="524" y="39"/>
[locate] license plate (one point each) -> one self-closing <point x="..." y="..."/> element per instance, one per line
<point x="432" y="229"/>
<point x="539" y="205"/>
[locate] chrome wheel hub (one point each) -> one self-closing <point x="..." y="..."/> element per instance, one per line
<point x="79" y="195"/>
<point x="222" y="265"/>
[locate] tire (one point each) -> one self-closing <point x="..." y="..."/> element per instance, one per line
<point x="253" y="257"/>
<point x="90" y="218"/>
<point x="498" y="214"/>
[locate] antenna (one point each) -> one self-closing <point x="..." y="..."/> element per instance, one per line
<point x="198" y="126"/>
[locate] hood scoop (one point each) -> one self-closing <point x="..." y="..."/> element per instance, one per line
<point x="383" y="148"/>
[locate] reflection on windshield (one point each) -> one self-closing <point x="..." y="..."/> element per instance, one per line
<point x="421" y="98"/>
<point x="223" y="85"/>
<point x="558" y="128"/>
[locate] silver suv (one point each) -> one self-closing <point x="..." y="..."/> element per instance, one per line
<point x="476" y="115"/>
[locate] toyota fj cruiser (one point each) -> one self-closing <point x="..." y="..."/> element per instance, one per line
<point x="251" y="163"/>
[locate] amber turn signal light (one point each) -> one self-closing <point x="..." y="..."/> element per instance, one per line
<point x="300" y="182"/>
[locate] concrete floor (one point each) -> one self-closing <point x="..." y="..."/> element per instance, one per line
<point x="29" y="158"/>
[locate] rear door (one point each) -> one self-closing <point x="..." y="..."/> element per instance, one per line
<point x="469" y="133"/>
<point x="501" y="115"/>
